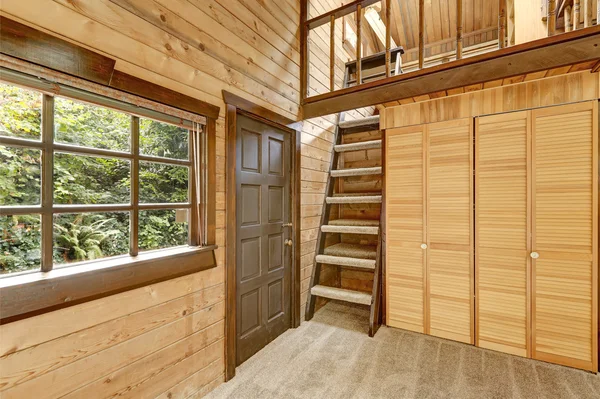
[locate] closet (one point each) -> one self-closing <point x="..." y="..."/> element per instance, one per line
<point x="495" y="241"/>
<point x="429" y="229"/>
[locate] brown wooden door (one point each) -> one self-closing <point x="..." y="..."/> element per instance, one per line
<point x="263" y="206"/>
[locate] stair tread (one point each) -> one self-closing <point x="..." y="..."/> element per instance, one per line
<point x="354" y="222"/>
<point x="368" y="264"/>
<point x="365" y="194"/>
<point x="376" y="170"/>
<point x="354" y="199"/>
<point x="341" y="294"/>
<point x="350" y="229"/>
<point x="352" y="251"/>
<point x="359" y="122"/>
<point x="361" y="145"/>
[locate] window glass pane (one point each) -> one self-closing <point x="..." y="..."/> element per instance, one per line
<point x="20" y="243"/>
<point x="90" y="180"/>
<point x="89" y="236"/>
<point x="19" y="176"/>
<point x="90" y="125"/>
<point x="163" y="228"/>
<point x="163" y="140"/>
<point x="20" y="112"/>
<point x="161" y="183"/>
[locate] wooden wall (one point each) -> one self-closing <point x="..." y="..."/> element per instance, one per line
<point x="563" y="89"/>
<point x="199" y="48"/>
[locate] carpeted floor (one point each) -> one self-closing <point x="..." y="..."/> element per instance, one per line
<point x="332" y="357"/>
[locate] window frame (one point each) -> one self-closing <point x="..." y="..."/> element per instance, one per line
<point x="197" y="164"/>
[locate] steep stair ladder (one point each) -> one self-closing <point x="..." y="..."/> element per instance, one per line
<point x="344" y="254"/>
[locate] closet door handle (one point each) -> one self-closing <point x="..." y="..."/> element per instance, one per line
<point x="423" y="246"/>
<point x="534" y="255"/>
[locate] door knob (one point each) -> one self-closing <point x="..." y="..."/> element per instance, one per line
<point x="288" y="243"/>
<point x="423" y="246"/>
<point x="286" y="225"/>
<point x="534" y="255"/>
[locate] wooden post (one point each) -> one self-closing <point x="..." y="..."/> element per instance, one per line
<point x="358" y="44"/>
<point x="388" y="37"/>
<point x="332" y="53"/>
<point x="304" y="69"/>
<point x="510" y="25"/>
<point x="587" y="13"/>
<point x="576" y="14"/>
<point x="568" y="19"/>
<point x="421" y="31"/>
<point x="459" y="29"/>
<point x="501" y="23"/>
<point x="551" y="20"/>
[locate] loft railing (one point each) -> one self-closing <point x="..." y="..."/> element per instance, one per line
<point x="570" y="11"/>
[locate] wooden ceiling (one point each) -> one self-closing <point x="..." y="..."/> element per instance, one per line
<point x="440" y="20"/>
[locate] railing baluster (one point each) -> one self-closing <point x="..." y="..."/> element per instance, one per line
<point x="501" y="23"/>
<point x="576" y="14"/>
<point x="304" y="51"/>
<point x="332" y="53"/>
<point x="358" y="44"/>
<point x="568" y="19"/>
<point x="421" y="30"/>
<point x="459" y="29"/>
<point x="587" y="13"/>
<point x="388" y="37"/>
<point x="551" y="21"/>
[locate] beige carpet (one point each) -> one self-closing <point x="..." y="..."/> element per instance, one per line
<point x="332" y="357"/>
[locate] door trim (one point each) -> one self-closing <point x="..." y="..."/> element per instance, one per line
<point x="236" y="105"/>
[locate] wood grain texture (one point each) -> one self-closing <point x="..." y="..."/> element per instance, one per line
<point x="449" y="230"/>
<point x="565" y="203"/>
<point x="131" y="84"/>
<point x="502" y="232"/>
<point x="26" y="43"/>
<point x="556" y="90"/>
<point x="405" y="206"/>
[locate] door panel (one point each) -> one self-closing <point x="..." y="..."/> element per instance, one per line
<point x="502" y="221"/>
<point x="449" y="226"/>
<point x="263" y="260"/>
<point x="405" y="213"/>
<point x="565" y="234"/>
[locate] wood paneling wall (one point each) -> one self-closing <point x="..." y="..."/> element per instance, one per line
<point x="198" y="48"/>
<point x="556" y="90"/>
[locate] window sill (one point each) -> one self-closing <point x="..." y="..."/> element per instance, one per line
<point x="31" y="294"/>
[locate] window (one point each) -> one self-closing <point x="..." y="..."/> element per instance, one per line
<point x="84" y="178"/>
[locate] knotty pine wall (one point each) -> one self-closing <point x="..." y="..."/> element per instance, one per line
<point x="166" y="340"/>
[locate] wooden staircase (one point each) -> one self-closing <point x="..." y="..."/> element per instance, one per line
<point x="354" y="242"/>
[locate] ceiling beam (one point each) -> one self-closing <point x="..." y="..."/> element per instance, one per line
<point x="543" y="54"/>
<point x="377" y="25"/>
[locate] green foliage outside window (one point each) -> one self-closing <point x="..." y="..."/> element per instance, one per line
<point x="86" y="180"/>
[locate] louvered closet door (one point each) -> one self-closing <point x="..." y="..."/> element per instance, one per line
<point x="405" y="203"/>
<point x="565" y="281"/>
<point x="501" y="232"/>
<point x="449" y="227"/>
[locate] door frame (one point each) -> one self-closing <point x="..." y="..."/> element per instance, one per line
<point x="236" y="105"/>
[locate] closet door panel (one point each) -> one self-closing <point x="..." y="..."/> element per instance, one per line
<point x="449" y="227"/>
<point x="565" y="235"/>
<point x="501" y="232"/>
<point x="405" y="267"/>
